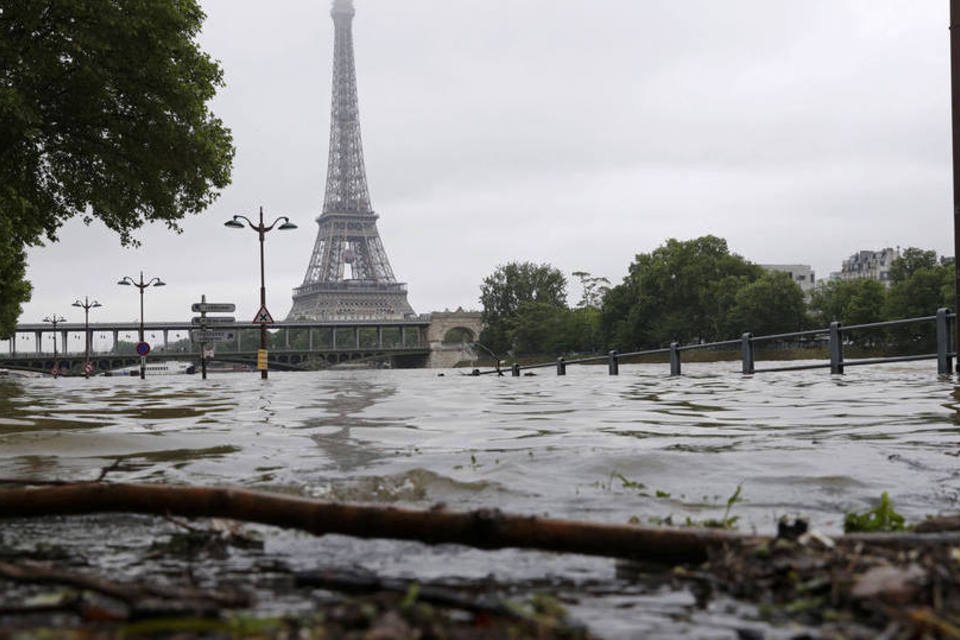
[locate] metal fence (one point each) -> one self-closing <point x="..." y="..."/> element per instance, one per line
<point x="836" y="334"/>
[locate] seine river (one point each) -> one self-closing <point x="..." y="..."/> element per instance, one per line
<point x="589" y="446"/>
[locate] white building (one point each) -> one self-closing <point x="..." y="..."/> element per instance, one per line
<point x="874" y="265"/>
<point x="802" y="274"/>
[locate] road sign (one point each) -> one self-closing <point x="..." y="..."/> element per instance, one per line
<point x="213" y="307"/>
<point x="143" y="348"/>
<point x="212" y="335"/>
<point x="261" y="359"/>
<point x="214" y="320"/>
<point x="263" y="316"/>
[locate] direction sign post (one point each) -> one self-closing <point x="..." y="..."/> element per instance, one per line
<point x="203" y="334"/>
<point x="211" y="335"/>
<point x="205" y="320"/>
<point x="213" y="307"/>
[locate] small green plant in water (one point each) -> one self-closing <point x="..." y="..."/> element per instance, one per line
<point x="880" y="518"/>
<point x="628" y="483"/>
<point x="727" y="521"/>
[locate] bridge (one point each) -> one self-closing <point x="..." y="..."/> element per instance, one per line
<point x="439" y="339"/>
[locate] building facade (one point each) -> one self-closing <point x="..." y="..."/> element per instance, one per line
<point x="874" y="265"/>
<point x="802" y="274"/>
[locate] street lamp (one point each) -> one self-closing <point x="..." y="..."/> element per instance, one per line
<point x="156" y="282"/>
<point x="86" y="305"/>
<point x="263" y="316"/>
<point x="54" y="319"/>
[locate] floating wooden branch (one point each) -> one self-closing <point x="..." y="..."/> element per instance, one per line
<point x="484" y="529"/>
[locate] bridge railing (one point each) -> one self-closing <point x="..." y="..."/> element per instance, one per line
<point x="836" y="336"/>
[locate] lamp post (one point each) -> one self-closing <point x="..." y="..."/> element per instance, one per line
<point x="86" y="305"/>
<point x="141" y="285"/>
<point x="55" y="319"/>
<point x="955" y="120"/>
<point x="263" y="316"/>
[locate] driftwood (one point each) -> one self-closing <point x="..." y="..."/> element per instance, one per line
<point x="365" y="582"/>
<point x="485" y="528"/>
<point x="141" y="599"/>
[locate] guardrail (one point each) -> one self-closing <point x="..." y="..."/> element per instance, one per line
<point x="944" y="355"/>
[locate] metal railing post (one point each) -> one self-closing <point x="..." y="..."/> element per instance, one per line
<point x="674" y="358"/>
<point x="561" y="366"/>
<point x="613" y="363"/>
<point x="746" y="351"/>
<point x="836" y="349"/>
<point x="515" y="370"/>
<point x="944" y="361"/>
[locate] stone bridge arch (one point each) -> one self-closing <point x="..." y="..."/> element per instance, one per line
<point x="449" y="334"/>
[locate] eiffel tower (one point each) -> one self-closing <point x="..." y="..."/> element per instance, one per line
<point x="349" y="276"/>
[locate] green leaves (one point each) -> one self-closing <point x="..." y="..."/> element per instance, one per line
<point x="516" y="297"/>
<point x="103" y="114"/>
<point x="683" y="290"/>
<point x="880" y="518"/>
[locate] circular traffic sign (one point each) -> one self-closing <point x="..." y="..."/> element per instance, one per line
<point x="143" y="348"/>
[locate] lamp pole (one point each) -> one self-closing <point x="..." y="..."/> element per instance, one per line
<point x="55" y="319"/>
<point x="141" y="285"/>
<point x="262" y="315"/>
<point x="955" y="98"/>
<point x="86" y="305"/>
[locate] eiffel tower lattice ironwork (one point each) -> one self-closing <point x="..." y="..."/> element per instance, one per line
<point x="349" y="276"/>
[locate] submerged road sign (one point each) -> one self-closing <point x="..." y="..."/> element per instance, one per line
<point x="213" y="307"/>
<point x="212" y="335"/>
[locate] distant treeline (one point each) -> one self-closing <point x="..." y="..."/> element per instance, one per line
<point x="698" y="291"/>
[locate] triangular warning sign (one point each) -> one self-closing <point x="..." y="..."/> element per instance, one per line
<point x="263" y="316"/>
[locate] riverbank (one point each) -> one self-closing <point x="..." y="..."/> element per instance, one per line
<point x="212" y="578"/>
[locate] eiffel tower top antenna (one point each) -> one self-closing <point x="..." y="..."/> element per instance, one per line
<point x="343" y="6"/>
<point x="347" y="190"/>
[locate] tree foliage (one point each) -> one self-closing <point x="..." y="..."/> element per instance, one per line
<point x="594" y="289"/>
<point x="911" y="261"/>
<point x="103" y="114"/>
<point x="516" y="290"/>
<point x="683" y="290"/>
<point x="769" y="305"/>
<point x="920" y="286"/>
<point x="697" y="290"/>
<point x="858" y="301"/>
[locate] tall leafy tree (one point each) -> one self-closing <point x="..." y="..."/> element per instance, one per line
<point x="103" y="114"/>
<point x="594" y="288"/>
<point x="911" y="261"/>
<point x="920" y="286"/>
<point x="683" y="290"/>
<point x="508" y="289"/>
<point x="773" y="303"/>
<point x="858" y="301"/>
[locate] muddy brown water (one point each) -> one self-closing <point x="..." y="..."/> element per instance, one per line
<point x="589" y="446"/>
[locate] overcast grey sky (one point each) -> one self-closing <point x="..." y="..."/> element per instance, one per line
<point x="574" y="132"/>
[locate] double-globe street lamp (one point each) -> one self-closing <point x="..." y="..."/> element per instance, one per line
<point x="86" y="305"/>
<point x="55" y="319"/>
<point x="141" y="285"/>
<point x="263" y="317"/>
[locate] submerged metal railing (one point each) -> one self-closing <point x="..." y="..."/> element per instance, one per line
<point x="747" y="343"/>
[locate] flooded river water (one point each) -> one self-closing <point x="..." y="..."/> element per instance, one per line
<point x="588" y="446"/>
